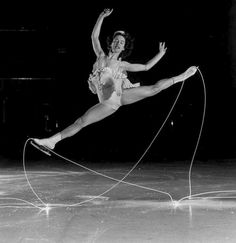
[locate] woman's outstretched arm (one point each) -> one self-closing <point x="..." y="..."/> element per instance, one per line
<point x="132" y="67"/>
<point x="96" y="32"/>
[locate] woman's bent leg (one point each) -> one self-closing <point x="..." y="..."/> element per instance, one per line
<point x="133" y="95"/>
<point x="94" y="114"/>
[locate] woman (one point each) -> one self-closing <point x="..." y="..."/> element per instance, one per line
<point x="109" y="81"/>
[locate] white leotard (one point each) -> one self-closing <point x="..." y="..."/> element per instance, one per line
<point x="108" y="80"/>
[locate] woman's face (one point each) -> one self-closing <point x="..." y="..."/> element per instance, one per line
<point x="118" y="44"/>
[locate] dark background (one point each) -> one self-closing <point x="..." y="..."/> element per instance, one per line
<point x="46" y="56"/>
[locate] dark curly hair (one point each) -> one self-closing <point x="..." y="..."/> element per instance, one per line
<point x="128" y="43"/>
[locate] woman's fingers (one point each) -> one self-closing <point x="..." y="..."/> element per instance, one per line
<point x="162" y="46"/>
<point x="107" y="11"/>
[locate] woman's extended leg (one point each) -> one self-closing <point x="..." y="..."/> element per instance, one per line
<point x="94" y="114"/>
<point x="133" y="95"/>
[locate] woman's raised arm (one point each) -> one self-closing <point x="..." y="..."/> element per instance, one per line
<point x="132" y="67"/>
<point x="96" y="32"/>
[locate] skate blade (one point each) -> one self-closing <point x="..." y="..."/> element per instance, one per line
<point x="41" y="148"/>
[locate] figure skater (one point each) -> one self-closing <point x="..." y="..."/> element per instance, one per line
<point x="109" y="81"/>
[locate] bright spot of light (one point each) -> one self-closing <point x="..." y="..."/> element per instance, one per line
<point x="46" y="209"/>
<point x="176" y="204"/>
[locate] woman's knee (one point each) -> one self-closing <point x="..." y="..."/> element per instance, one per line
<point x="154" y="89"/>
<point x="162" y="84"/>
<point x="148" y="91"/>
<point x="80" y="122"/>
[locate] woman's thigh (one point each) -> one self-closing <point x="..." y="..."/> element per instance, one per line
<point x="133" y="95"/>
<point x="97" y="113"/>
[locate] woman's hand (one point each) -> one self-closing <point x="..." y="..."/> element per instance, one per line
<point x="162" y="48"/>
<point x="106" y="12"/>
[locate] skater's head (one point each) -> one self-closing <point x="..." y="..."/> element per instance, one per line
<point x="121" y="43"/>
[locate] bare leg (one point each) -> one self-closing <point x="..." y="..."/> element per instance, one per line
<point x="94" y="114"/>
<point x="133" y="95"/>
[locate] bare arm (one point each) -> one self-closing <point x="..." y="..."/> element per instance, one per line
<point x="96" y="32"/>
<point x="132" y="67"/>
